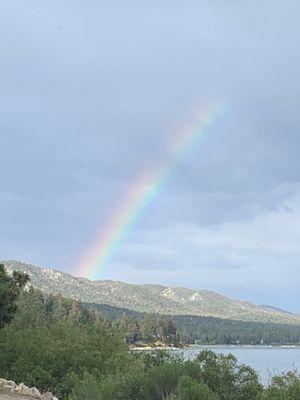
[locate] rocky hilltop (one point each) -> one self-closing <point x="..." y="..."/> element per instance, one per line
<point x="150" y="298"/>
<point x="9" y="390"/>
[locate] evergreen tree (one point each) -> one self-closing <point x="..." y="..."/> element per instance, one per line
<point x="10" y="289"/>
<point x="149" y="328"/>
<point x="31" y="309"/>
<point x="167" y="330"/>
<point x="129" y="328"/>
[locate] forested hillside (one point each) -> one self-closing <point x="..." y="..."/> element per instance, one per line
<point x="208" y="330"/>
<point x="150" y="298"/>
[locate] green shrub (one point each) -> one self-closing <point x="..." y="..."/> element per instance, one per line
<point x="190" y="389"/>
<point x="161" y="380"/>
<point x="52" y="358"/>
<point x="86" y="389"/>
<point x="226" y="378"/>
<point x="284" y="387"/>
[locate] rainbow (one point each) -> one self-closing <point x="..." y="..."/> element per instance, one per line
<point x="142" y="192"/>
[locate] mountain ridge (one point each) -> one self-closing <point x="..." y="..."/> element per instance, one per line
<point x="151" y="298"/>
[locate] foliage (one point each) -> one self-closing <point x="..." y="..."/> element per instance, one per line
<point x="58" y="345"/>
<point x="148" y="330"/>
<point x="52" y="344"/>
<point x="210" y="377"/>
<point x="10" y="288"/>
<point x="88" y="388"/>
<point x="190" y="389"/>
<point x="207" y="330"/>
<point x="130" y="329"/>
<point x="226" y="378"/>
<point x="284" y="387"/>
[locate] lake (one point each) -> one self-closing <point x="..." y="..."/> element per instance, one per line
<point x="267" y="361"/>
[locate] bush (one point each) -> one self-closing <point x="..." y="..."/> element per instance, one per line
<point x="161" y="380"/>
<point x="190" y="389"/>
<point x="53" y="358"/>
<point x="226" y="378"/>
<point x="56" y="345"/>
<point x="284" y="387"/>
<point x="86" y="389"/>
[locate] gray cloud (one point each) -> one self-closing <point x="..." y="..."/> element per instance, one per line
<point x="262" y="251"/>
<point x="91" y="95"/>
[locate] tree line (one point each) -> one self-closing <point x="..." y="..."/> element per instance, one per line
<point x="209" y="330"/>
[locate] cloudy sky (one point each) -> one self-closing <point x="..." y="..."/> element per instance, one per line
<point x="92" y="93"/>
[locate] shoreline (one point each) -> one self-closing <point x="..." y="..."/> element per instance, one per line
<point x="205" y="346"/>
<point x="150" y="348"/>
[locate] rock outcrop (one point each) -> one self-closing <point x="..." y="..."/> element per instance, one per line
<point x="10" y="390"/>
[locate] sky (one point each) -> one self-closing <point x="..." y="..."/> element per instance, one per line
<point x="92" y="93"/>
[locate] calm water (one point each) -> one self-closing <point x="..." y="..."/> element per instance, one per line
<point x="267" y="361"/>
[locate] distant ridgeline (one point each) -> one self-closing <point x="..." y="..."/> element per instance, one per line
<point x="151" y="298"/>
<point x="209" y="330"/>
<point x="131" y="309"/>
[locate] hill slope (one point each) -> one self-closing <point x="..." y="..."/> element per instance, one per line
<point x="150" y="298"/>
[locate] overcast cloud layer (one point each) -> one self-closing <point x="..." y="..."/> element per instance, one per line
<point x="91" y="93"/>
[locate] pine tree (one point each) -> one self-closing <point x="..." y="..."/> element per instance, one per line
<point x="10" y="288"/>
<point x="149" y="328"/>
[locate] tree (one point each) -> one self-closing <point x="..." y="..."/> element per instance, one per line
<point x="55" y="357"/>
<point x="129" y="328"/>
<point x="31" y="309"/>
<point x="149" y="328"/>
<point x="167" y="330"/>
<point x="225" y="377"/>
<point x="284" y="387"/>
<point x="190" y="389"/>
<point x="10" y="289"/>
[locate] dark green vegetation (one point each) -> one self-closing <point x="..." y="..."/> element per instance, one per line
<point x="10" y="287"/>
<point x="209" y="330"/>
<point x="59" y="345"/>
<point x="151" y="298"/>
<point x="52" y="343"/>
